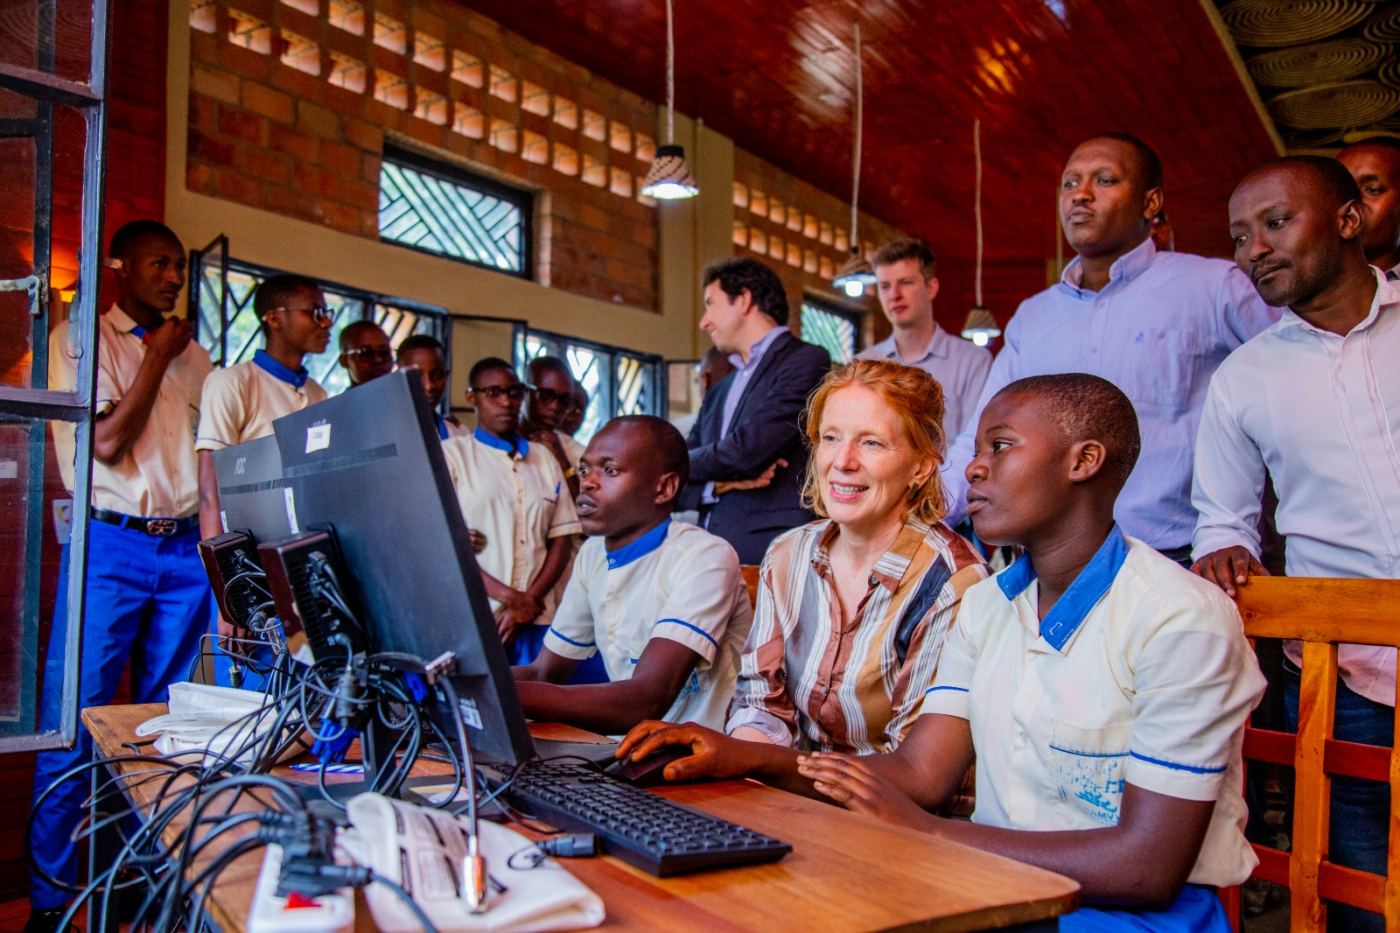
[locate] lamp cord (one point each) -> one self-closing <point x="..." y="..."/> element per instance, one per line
<point x="855" y="160"/>
<point x="977" y="203"/>
<point x="670" y="79"/>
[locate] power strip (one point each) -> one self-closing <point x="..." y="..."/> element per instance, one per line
<point x="271" y="913"/>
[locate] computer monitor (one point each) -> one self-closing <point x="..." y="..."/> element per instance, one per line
<point x="252" y="493"/>
<point x="368" y="466"/>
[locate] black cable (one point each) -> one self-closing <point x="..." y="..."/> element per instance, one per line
<point x="403" y="895"/>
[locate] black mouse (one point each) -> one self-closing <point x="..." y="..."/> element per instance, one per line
<point x="647" y="772"/>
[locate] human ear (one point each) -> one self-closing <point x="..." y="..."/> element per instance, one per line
<point x="1086" y="460"/>
<point x="927" y="467"/>
<point x="1351" y="217"/>
<point x="932" y="288"/>
<point x="1153" y="202"/>
<point x="667" y="486"/>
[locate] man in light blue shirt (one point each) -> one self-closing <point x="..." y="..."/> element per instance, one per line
<point x="906" y="280"/>
<point x="1156" y="324"/>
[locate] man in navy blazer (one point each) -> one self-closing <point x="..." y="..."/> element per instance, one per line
<point x="747" y="455"/>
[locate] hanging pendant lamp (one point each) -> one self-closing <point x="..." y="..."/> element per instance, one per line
<point x="980" y="327"/>
<point x="856" y="274"/>
<point x="669" y="178"/>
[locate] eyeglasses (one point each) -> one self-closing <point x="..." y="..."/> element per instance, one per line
<point x="374" y="354"/>
<point x="550" y="397"/>
<point x="319" y="313"/>
<point x="495" y="393"/>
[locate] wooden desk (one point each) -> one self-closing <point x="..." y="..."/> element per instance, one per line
<point x="846" y="871"/>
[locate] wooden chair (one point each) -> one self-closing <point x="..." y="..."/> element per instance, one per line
<point x="1323" y="614"/>
<point x="750" y="574"/>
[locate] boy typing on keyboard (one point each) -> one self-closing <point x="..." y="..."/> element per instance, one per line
<point x="662" y="602"/>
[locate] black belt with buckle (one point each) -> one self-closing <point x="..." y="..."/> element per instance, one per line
<point x="159" y="527"/>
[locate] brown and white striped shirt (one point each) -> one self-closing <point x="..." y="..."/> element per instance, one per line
<point x="806" y="682"/>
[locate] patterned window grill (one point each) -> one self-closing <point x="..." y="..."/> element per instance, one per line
<point x="237" y="341"/>
<point x="439" y="210"/>
<point x="618" y="382"/>
<point x="831" y="328"/>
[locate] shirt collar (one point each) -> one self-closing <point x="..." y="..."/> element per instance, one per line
<point x="293" y="377"/>
<point x="937" y="346"/>
<point x="441" y="423"/>
<point x="1387" y="293"/>
<point x="516" y="446"/>
<point x="890" y="568"/>
<point x="639" y="548"/>
<point x="1124" y="269"/>
<point x="758" y="349"/>
<point x="124" y="324"/>
<point x="1075" y="604"/>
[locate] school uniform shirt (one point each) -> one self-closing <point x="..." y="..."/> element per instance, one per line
<point x="677" y="582"/>
<point x="514" y="493"/>
<point x="1320" y="412"/>
<point x="448" y="428"/>
<point x="959" y="365"/>
<point x="573" y="450"/>
<point x="1139" y="674"/>
<point x="242" y="401"/>
<point x="158" y="477"/>
<point x="807" y="680"/>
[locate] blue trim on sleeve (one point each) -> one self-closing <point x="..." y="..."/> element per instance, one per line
<point x="933" y="689"/>
<point x="1193" y="769"/>
<point x="1070" y="751"/>
<point x="577" y="644"/>
<point x="641" y="547"/>
<point x="292" y="377"/>
<point x="694" y="628"/>
<point x="1070" y="610"/>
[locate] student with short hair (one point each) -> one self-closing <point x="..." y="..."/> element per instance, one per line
<point x="148" y="599"/>
<point x="661" y="603"/>
<point x="365" y="352"/>
<point x="426" y="354"/>
<point x="241" y="402"/>
<point x="1103" y="688"/>
<point x="513" y="491"/>
<point x="551" y="392"/>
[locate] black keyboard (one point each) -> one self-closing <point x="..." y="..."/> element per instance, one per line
<point x="637" y="826"/>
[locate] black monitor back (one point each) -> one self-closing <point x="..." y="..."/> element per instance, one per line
<point x="368" y="465"/>
<point x="252" y="493"/>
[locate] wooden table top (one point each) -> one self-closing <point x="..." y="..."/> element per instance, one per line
<point x="845" y="872"/>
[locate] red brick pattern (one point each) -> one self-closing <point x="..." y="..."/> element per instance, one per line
<point x="266" y="133"/>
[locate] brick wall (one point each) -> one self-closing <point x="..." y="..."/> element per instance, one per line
<point x="803" y="233"/>
<point x="289" y="111"/>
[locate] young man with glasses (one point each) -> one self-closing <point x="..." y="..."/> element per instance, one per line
<point x="241" y="402"/>
<point x="365" y="352"/>
<point x="551" y="393"/>
<point x="513" y="491"/>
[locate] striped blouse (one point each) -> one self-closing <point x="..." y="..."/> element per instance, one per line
<point x="804" y="681"/>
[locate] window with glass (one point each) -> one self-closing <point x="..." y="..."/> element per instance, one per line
<point x="618" y="381"/>
<point x="221" y="296"/>
<point x="441" y="209"/>
<point x="836" y="329"/>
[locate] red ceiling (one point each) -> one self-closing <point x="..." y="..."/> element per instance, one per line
<point x="777" y="76"/>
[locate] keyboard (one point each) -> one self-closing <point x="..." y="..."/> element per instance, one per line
<point x="635" y="825"/>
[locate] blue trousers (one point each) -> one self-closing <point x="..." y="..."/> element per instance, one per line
<point x="1360" y="818"/>
<point x="529" y="640"/>
<point x="1197" y="909"/>
<point x="148" y="601"/>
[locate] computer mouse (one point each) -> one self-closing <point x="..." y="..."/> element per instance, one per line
<point x="647" y="772"/>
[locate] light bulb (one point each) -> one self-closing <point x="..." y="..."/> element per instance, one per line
<point x="853" y="288"/>
<point x="980" y="339"/>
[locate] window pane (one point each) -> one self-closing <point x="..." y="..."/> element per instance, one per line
<point x="830" y="329"/>
<point x="35" y="511"/>
<point x="481" y="224"/>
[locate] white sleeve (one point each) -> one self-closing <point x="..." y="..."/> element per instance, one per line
<point x="970" y="394"/>
<point x="1228" y="480"/>
<point x="1005" y="369"/>
<point x="950" y="694"/>
<point x="571" y="632"/>
<point x="222" y="411"/>
<point x="700" y="603"/>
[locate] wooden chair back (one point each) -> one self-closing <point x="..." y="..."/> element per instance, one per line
<point x="1322" y="614"/>
<point x="750" y="574"/>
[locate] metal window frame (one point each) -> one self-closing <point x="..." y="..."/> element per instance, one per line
<point x="48" y="90"/>
<point x="822" y="303"/>
<point x="655" y="363"/>
<point x="523" y="200"/>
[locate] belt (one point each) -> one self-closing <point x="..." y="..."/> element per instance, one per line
<point x="160" y="527"/>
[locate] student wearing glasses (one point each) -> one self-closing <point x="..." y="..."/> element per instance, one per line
<point x="513" y="491"/>
<point x="551" y="388"/>
<point x="365" y="352"/>
<point x="241" y="402"/>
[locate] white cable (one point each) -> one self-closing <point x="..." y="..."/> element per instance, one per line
<point x="855" y="160"/>
<point x="977" y="204"/>
<point x="670" y="78"/>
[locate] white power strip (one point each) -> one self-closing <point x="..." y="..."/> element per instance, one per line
<point x="329" y="913"/>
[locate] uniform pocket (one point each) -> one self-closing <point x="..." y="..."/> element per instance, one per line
<point x="1088" y="765"/>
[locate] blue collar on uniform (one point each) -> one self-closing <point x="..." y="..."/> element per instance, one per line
<point x="1070" y="610"/>
<point x="516" y="446"/>
<point x="292" y="377"/>
<point x="441" y="423"/>
<point x="639" y="548"/>
<point x="138" y="332"/>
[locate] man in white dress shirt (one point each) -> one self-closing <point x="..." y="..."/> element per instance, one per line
<point x="1314" y="403"/>
<point x="906" y="279"/>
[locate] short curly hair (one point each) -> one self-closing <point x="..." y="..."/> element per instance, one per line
<point x="913" y="395"/>
<point x="739" y="274"/>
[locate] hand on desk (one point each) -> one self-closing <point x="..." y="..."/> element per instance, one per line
<point x="478" y="540"/>
<point x="712" y="754"/>
<point x="849" y="780"/>
<point x="1229" y="567"/>
<point x="758" y="482"/>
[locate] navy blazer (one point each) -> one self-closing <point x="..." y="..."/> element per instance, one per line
<point x="765" y="428"/>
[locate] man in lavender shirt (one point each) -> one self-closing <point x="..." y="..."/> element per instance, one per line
<point x="1156" y="324"/>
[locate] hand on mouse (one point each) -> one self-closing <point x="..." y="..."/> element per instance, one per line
<point x="712" y="754"/>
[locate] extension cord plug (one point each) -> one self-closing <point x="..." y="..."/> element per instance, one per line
<point x="270" y="913"/>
